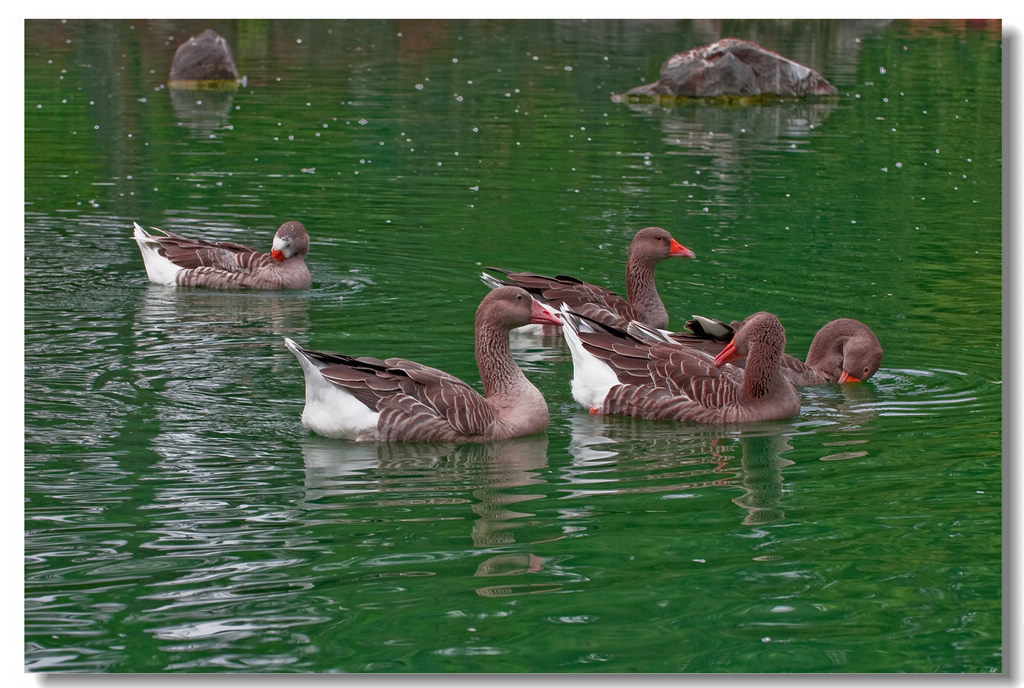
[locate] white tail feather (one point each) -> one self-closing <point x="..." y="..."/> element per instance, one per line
<point x="331" y="410"/>
<point x="714" y="328"/>
<point x="158" y="268"/>
<point x="592" y="377"/>
<point x="491" y="281"/>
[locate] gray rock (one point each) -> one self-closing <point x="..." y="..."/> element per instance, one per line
<point x="732" y="67"/>
<point x="206" y="57"/>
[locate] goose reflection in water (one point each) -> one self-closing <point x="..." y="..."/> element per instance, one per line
<point x="189" y="313"/>
<point x="353" y="477"/>
<point x="206" y="333"/>
<point x="515" y="464"/>
<point x="840" y="408"/>
<point x="674" y="460"/>
<point x="762" y="479"/>
<point x="678" y="464"/>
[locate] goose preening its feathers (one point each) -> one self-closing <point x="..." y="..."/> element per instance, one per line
<point x="174" y="260"/>
<point x="843" y="350"/>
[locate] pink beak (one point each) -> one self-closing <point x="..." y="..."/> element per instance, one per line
<point x="729" y="353"/>
<point x="542" y="315"/>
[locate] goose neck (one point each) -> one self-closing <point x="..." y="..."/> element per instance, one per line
<point x="499" y="372"/>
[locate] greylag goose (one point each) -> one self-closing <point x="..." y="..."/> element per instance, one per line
<point x="616" y="372"/>
<point x="368" y="399"/>
<point x="649" y="247"/>
<point x="174" y="260"/>
<point x="843" y="350"/>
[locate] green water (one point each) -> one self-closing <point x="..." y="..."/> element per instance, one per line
<point x="179" y="518"/>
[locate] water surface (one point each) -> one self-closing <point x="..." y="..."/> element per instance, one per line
<point x="178" y="518"/>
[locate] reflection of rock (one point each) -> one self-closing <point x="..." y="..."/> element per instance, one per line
<point x="516" y="590"/>
<point x="728" y="133"/>
<point x="206" y="57"/>
<point x="731" y="67"/>
<point x="726" y="130"/>
<point x="204" y="111"/>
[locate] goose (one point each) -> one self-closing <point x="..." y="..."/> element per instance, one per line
<point x="843" y="350"/>
<point x="651" y="376"/>
<point x="369" y="399"/>
<point x="649" y="247"/>
<point x="174" y="260"/>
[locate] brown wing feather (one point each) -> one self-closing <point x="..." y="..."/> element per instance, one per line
<point x="464" y="409"/>
<point x="654" y="403"/>
<point x="793" y="368"/>
<point x="367" y="379"/>
<point x="199" y="253"/>
<point x="415" y="401"/>
<point x="650" y="372"/>
<point x="708" y="346"/>
<point x="589" y="300"/>
<point x="403" y="417"/>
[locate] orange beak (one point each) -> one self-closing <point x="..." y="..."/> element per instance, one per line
<point x="677" y="249"/>
<point x="845" y="377"/>
<point x="727" y="354"/>
<point x="277" y="255"/>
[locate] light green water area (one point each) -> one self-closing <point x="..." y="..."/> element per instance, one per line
<point x="179" y="518"/>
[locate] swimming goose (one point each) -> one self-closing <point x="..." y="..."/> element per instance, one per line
<point x="369" y="399"/>
<point x="649" y="247"/>
<point x="617" y="372"/>
<point x="175" y="260"/>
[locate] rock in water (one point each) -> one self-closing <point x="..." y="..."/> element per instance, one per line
<point x="732" y="67"/>
<point x="206" y="57"/>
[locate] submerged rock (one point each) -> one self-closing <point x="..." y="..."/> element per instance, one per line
<point x="732" y="67"/>
<point x="206" y="57"/>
